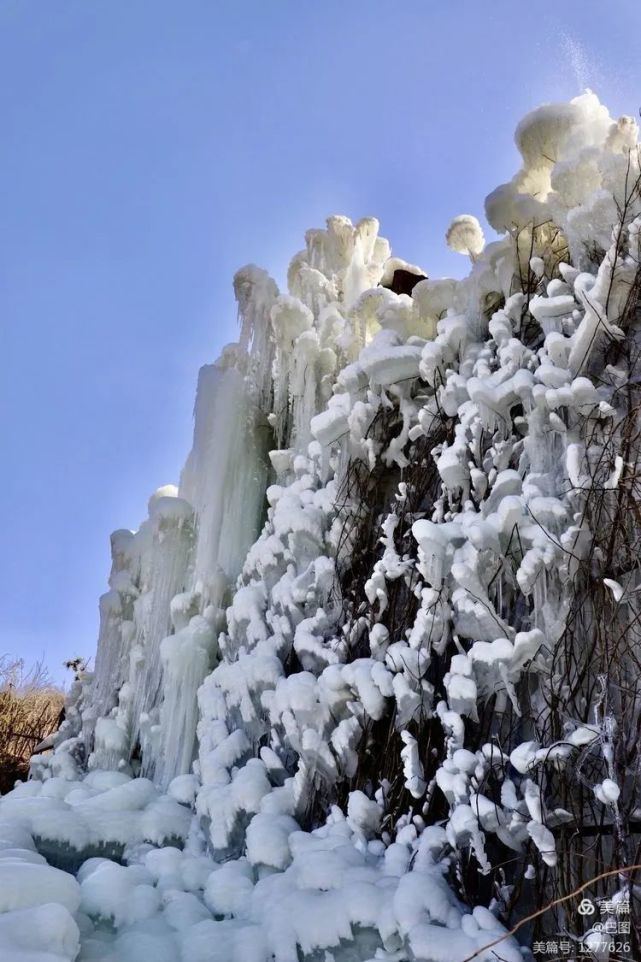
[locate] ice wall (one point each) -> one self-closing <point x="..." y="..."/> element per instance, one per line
<point x="173" y="579"/>
<point x="378" y="533"/>
<point x="282" y="415"/>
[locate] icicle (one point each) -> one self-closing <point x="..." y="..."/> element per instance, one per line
<point x="224" y="479"/>
<point x="186" y="658"/>
<point x="169" y="536"/>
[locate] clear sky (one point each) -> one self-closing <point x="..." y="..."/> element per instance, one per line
<point x="148" y="148"/>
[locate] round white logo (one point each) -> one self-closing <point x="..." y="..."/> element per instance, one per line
<point x="586" y="907"/>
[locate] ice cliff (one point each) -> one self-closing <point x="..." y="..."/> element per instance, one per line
<point x="322" y="722"/>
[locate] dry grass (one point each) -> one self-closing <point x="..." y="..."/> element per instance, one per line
<point x="30" y="707"/>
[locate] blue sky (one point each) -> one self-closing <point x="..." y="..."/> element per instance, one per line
<point x="150" y="148"/>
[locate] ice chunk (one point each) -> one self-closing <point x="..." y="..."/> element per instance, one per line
<point x="24" y="884"/>
<point x="47" y="933"/>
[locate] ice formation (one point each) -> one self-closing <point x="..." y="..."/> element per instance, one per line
<point x="280" y="755"/>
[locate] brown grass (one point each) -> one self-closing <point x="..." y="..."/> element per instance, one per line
<point x="30" y="706"/>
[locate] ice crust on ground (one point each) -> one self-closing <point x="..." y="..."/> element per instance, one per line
<point x="203" y="794"/>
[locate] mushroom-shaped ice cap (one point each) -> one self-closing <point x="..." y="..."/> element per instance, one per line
<point x="465" y="236"/>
